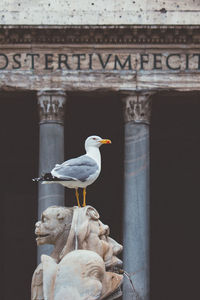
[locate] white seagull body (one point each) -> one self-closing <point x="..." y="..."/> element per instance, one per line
<point x="81" y="171"/>
<point x="78" y="172"/>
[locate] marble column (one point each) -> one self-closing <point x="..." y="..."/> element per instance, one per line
<point x="51" y="150"/>
<point x="136" y="195"/>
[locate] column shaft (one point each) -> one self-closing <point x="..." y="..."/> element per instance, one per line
<point x="136" y="198"/>
<point x="51" y="152"/>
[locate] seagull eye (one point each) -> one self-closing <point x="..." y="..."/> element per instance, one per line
<point x="94" y="138"/>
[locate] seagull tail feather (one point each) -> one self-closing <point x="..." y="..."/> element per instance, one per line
<point x="45" y="177"/>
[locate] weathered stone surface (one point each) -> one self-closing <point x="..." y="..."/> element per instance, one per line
<point x="51" y="113"/>
<point x="137" y="110"/>
<point x="70" y="229"/>
<point x="137" y="107"/>
<point x="80" y="275"/>
<point x="83" y="68"/>
<point x="105" y="81"/>
<point x="108" y="59"/>
<point x="99" y="12"/>
<point x="136" y="210"/>
<point x="51" y="106"/>
<point x="67" y="58"/>
<point x="99" y="35"/>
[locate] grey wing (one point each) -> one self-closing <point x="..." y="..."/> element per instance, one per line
<point x="80" y="168"/>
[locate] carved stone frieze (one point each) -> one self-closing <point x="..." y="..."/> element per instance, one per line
<point x="51" y="106"/>
<point x="132" y="34"/>
<point x="137" y="107"/>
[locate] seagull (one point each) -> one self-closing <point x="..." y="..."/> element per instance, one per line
<point x="78" y="172"/>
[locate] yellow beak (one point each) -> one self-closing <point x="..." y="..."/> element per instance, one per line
<point x="105" y="141"/>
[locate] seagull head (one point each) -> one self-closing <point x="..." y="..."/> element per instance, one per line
<point x="95" y="141"/>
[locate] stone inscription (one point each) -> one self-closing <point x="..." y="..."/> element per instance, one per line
<point x="99" y="61"/>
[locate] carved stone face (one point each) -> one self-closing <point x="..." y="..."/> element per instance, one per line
<point x="80" y="275"/>
<point x="54" y="221"/>
<point x="78" y="228"/>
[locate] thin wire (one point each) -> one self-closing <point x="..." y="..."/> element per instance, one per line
<point x="128" y="276"/>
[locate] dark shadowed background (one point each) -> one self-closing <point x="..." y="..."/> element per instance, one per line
<point x="175" y="164"/>
<point x="175" y="196"/>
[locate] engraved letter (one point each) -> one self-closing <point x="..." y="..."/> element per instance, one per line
<point x="62" y="59"/>
<point x="18" y="66"/>
<point x="6" y="61"/>
<point x="198" y="55"/>
<point x="143" y="61"/>
<point x="168" y="62"/>
<point x="157" y="61"/>
<point x="101" y="60"/>
<point x="48" y="60"/>
<point x="90" y="61"/>
<point x="79" y="60"/>
<point x="122" y="65"/>
<point x="32" y="59"/>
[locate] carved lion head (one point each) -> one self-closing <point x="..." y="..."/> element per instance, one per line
<point x="55" y="220"/>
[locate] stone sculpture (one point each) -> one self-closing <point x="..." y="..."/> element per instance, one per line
<point x="70" y="229"/>
<point x="81" y="275"/>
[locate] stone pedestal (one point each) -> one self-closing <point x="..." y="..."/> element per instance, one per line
<point x="51" y="112"/>
<point x="136" y="196"/>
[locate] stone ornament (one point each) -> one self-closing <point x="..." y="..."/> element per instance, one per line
<point x="137" y="108"/>
<point x="51" y="106"/>
<point x="70" y="229"/>
<point x="126" y="34"/>
<point x="81" y="275"/>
